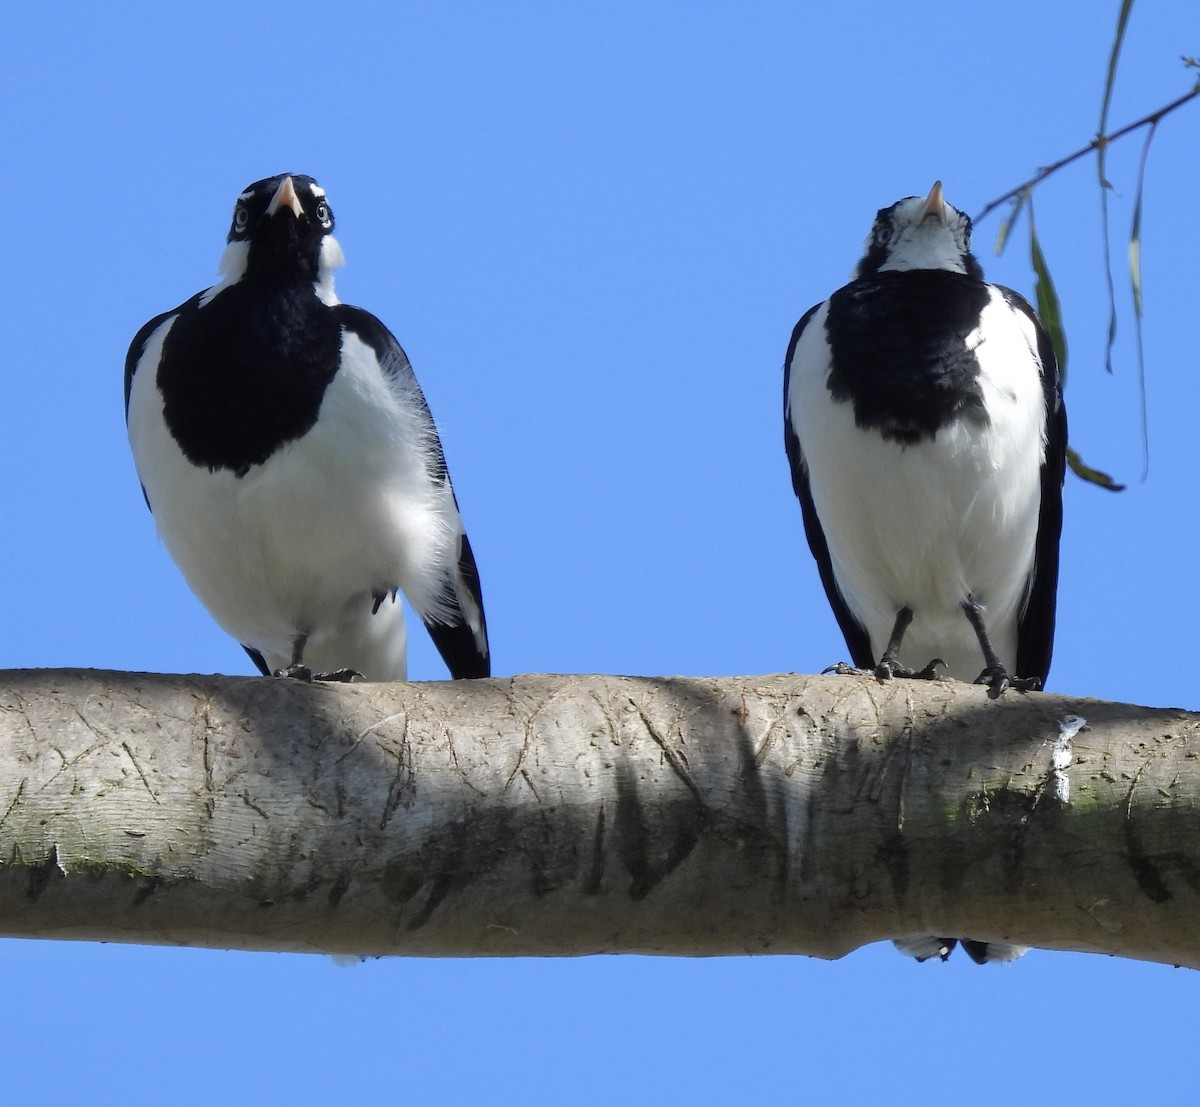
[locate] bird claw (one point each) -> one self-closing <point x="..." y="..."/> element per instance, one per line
<point x="998" y="682"/>
<point x="844" y="669"/>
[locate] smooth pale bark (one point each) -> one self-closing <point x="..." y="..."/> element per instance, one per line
<point x="563" y="815"/>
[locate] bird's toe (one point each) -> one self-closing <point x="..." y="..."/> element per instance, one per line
<point x="340" y="676"/>
<point x="930" y="672"/>
<point x="843" y="668"/>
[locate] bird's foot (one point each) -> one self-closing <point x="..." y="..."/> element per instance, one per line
<point x="997" y="680"/>
<point x="923" y="947"/>
<point x="296" y="671"/>
<point x="889" y="667"/>
<point x="985" y="953"/>
<point x="304" y="673"/>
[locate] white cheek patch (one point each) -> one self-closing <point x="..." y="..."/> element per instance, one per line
<point x="234" y="258"/>
<point x="331" y="258"/>
<point x="232" y="268"/>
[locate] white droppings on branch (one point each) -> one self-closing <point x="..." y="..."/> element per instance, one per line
<point x="1061" y="755"/>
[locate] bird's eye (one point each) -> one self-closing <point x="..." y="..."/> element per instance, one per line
<point x="883" y="235"/>
<point x="241" y="217"/>
<point x="323" y="215"/>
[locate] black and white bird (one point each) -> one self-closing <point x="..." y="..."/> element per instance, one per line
<point x="924" y="424"/>
<point x="291" y="462"/>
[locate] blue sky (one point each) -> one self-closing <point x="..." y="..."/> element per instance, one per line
<point x="593" y="230"/>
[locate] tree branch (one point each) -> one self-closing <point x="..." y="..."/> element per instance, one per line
<point x="562" y="815"/>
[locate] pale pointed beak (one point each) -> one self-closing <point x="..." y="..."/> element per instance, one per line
<point x="285" y="197"/>
<point x="934" y="204"/>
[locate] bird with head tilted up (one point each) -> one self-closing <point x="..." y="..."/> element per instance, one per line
<point x="924" y="424"/>
<point x="291" y="463"/>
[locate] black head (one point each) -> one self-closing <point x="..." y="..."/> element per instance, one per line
<point x="920" y="232"/>
<point x="282" y="228"/>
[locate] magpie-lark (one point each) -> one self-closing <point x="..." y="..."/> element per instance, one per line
<point x="291" y="463"/>
<point x="924" y="424"/>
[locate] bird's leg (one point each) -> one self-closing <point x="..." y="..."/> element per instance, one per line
<point x="994" y="674"/>
<point x="889" y="664"/>
<point x="296" y="667"/>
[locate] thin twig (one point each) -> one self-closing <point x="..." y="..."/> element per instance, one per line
<point x="1095" y="144"/>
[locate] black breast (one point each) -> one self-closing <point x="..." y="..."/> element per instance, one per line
<point x="899" y="351"/>
<point x="246" y="373"/>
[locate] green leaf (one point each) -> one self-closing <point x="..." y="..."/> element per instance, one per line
<point x="1048" y="306"/>
<point x="1135" y="234"/>
<point x="1105" y="185"/>
<point x="1010" y="220"/>
<point x="1050" y="311"/>
<point x="1092" y="476"/>
<point x="1109" y="83"/>
<point x="1135" y="280"/>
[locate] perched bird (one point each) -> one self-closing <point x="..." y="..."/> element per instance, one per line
<point x="291" y="462"/>
<point x="924" y="424"/>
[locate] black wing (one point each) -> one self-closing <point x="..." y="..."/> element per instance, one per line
<point x="464" y="650"/>
<point x="258" y="659"/>
<point x="138" y="347"/>
<point x="462" y="641"/>
<point x="1035" y="631"/>
<point x="858" y="641"/>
